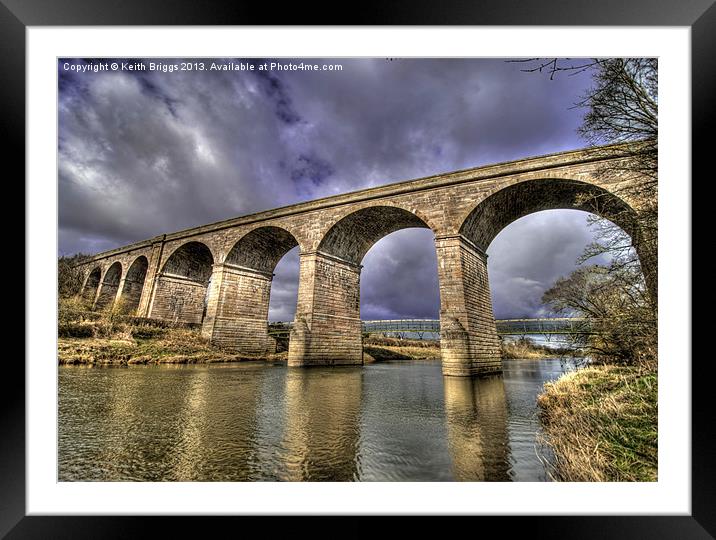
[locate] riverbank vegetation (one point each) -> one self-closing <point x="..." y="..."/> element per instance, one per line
<point x="523" y="348"/>
<point x="377" y="348"/>
<point x="601" y="421"/>
<point x="114" y="337"/>
<point x="528" y="349"/>
<point x="601" y="424"/>
<point x="110" y="337"/>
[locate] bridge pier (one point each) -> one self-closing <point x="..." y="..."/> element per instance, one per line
<point x="120" y="294"/>
<point x="468" y="337"/>
<point x="327" y="328"/>
<point x="237" y="309"/>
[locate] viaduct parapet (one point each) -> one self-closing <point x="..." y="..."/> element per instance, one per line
<point x="219" y="275"/>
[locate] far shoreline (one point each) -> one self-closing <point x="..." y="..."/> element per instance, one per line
<point x="174" y="346"/>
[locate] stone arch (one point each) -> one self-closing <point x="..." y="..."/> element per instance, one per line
<point x="182" y="285"/>
<point x="89" y="291"/>
<point x="512" y="202"/>
<point x="261" y="249"/>
<point x="109" y="286"/>
<point x="351" y="237"/>
<point x="192" y="261"/>
<point x="134" y="284"/>
<point x="469" y="342"/>
<point x="237" y="315"/>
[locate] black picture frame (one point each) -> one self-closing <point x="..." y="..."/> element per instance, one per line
<point x="700" y="15"/>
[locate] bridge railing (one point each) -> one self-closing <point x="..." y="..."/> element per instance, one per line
<point x="401" y="325"/>
<point x="505" y="327"/>
<point x="556" y="325"/>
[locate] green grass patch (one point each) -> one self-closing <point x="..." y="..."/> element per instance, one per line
<point x="601" y="423"/>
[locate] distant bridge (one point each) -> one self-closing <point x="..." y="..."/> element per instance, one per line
<point x="505" y="327"/>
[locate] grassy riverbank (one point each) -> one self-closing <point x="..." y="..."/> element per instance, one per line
<point x="601" y="422"/>
<point x="175" y="346"/>
<point x="113" y="341"/>
<point x="383" y="348"/>
<point x="110" y="338"/>
<point x="527" y="349"/>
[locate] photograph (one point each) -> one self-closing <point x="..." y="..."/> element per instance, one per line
<point x="357" y="269"/>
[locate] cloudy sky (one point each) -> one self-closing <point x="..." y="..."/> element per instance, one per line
<point x="142" y="153"/>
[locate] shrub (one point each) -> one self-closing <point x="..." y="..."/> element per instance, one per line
<point x="76" y="329"/>
<point x="145" y="331"/>
<point x="74" y="308"/>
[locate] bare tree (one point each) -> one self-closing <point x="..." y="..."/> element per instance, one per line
<point x="69" y="278"/>
<point x="614" y="300"/>
<point x="621" y="106"/>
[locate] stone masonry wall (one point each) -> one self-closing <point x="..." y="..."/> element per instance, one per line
<point x="106" y="296"/>
<point x="178" y="299"/>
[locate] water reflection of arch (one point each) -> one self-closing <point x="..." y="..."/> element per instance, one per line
<point x="179" y="423"/>
<point x="322" y="424"/>
<point x="217" y="421"/>
<point x="131" y="413"/>
<point x="478" y="440"/>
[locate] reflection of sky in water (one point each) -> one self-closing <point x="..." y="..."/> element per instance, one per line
<point x="400" y="421"/>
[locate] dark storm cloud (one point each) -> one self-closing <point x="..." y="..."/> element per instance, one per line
<point x="143" y="153"/>
<point x="275" y="89"/>
<point x="284" y="289"/>
<point x="399" y="279"/>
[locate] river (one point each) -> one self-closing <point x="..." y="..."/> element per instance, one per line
<point x="388" y="421"/>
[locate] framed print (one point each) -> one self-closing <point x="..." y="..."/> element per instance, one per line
<point x="178" y="265"/>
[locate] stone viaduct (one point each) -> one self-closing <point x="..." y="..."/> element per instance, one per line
<point x="219" y="275"/>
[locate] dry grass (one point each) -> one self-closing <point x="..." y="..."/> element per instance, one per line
<point x="601" y="423"/>
<point x="401" y="353"/>
<point x="387" y="348"/>
<point x="525" y="350"/>
<point x="375" y="340"/>
<point x="176" y="346"/>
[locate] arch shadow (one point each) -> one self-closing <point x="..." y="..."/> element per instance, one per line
<point x="182" y="285"/>
<point x="134" y="284"/>
<point x="89" y="291"/>
<point x="109" y="286"/>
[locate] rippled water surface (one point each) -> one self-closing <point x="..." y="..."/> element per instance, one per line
<point x="398" y="421"/>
